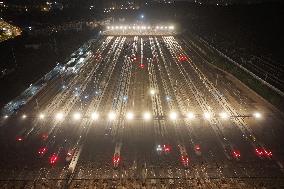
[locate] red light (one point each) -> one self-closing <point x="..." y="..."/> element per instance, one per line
<point x="197" y="147"/>
<point x="236" y="154"/>
<point x="268" y="153"/>
<point x="182" y="58"/>
<point x="259" y="151"/>
<point x="53" y="159"/>
<point x="42" y="151"/>
<point x="116" y="159"/>
<point x="19" y="139"/>
<point x="263" y="152"/>
<point x="166" y="148"/>
<point x="142" y="66"/>
<point x="184" y="160"/>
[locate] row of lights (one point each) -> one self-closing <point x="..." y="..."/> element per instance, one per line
<point x="146" y="116"/>
<point x="140" y="27"/>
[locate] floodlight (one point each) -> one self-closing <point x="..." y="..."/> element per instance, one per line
<point x="257" y="115"/>
<point x="129" y="115"/>
<point x="190" y="115"/>
<point x="76" y="116"/>
<point x="207" y="115"/>
<point x="111" y="116"/>
<point x="95" y="116"/>
<point x="147" y="116"/>
<point x="59" y="116"/>
<point x="173" y="115"/>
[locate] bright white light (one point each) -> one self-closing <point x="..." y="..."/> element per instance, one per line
<point x="41" y="116"/>
<point x="6" y="116"/>
<point x="24" y="116"/>
<point x="173" y="115"/>
<point x="147" y="116"/>
<point x="108" y="27"/>
<point x="111" y="116"/>
<point x="116" y="27"/>
<point x="207" y="115"/>
<point x="190" y="115"/>
<point x="152" y="92"/>
<point x="159" y="148"/>
<point x="224" y="115"/>
<point x="171" y="27"/>
<point x="257" y="115"/>
<point x="112" y="27"/>
<point x="148" y="27"/>
<point x="95" y="116"/>
<point x="129" y="115"/>
<point x="59" y="116"/>
<point x="77" y="116"/>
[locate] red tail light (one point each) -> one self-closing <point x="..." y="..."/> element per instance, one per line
<point x="236" y="154"/>
<point x="197" y="147"/>
<point x="42" y="151"/>
<point x="263" y="152"/>
<point x="166" y="148"/>
<point x="116" y="159"/>
<point x="184" y="160"/>
<point x="182" y="58"/>
<point x="259" y="151"/>
<point x="53" y="159"/>
<point x="268" y="153"/>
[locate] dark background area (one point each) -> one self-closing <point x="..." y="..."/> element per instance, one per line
<point x="257" y="26"/>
